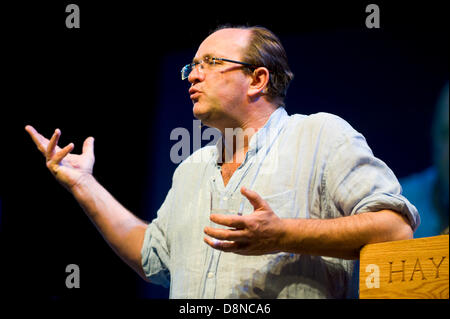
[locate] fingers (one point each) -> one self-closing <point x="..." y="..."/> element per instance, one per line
<point x="226" y="246"/>
<point x="52" y="144"/>
<point x="253" y="198"/>
<point x="233" y="221"/>
<point x="40" y="141"/>
<point x="226" y="234"/>
<point x="48" y="148"/>
<point x="57" y="158"/>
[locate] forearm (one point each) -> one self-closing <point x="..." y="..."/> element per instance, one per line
<point x="342" y="237"/>
<point x="123" y="231"/>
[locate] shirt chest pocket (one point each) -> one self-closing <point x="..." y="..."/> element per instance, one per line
<point x="283" y="204"/>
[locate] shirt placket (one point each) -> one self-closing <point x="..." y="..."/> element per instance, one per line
<point x="210" y="275"/>
<point x="210" y="282"/>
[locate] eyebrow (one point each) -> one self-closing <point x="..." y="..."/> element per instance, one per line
<point x="207" y="55"/>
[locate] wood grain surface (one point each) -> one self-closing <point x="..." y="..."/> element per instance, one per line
<point x="406" y="269"/>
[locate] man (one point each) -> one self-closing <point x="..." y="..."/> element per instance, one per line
<point x="315" y="192"/>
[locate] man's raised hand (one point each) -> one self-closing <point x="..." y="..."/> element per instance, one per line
<point x="67" y="168"/>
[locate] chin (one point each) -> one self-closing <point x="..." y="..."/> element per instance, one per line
<point x="200" y="111"/>
<point x="206" y="113"/>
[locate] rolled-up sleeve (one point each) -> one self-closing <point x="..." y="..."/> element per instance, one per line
<point x="359" y="182"/>
<point x="155" y="249"/>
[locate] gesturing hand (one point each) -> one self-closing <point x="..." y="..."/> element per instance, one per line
<point x="67" y="168"/>
<point x="255" y="234"/>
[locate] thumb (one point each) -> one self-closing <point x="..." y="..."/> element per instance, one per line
<point x="253" y="197"/>
<point x="88" y="146"/>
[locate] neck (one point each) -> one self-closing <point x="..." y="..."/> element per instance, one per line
<point x="236" y="139"/>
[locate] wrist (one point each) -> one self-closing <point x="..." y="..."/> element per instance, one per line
<point x="285" y="236"/>
<point x="292" y="235"/>
<point x="83" y="182"/>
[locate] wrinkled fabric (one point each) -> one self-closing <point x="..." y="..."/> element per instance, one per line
<point x="314" y="166"/>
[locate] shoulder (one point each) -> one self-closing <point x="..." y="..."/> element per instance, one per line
<point x="200" y="157"/>
<point x="323" y="124"/>
<point x="317" y="120"/>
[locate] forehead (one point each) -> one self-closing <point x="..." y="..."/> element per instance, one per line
<point x="226" y="43"/>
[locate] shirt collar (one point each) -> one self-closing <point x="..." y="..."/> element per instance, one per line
<point x="269" y="131"/>
<point x="264" y="136"/>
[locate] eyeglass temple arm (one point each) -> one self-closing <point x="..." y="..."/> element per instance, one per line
<point x="233" y="61"/>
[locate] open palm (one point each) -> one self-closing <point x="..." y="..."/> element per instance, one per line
<point x="67" y="168"/>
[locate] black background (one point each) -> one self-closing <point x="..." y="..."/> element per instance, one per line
<point x="117" y="79"/>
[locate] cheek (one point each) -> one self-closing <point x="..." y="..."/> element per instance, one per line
<point x="231" y="89"/>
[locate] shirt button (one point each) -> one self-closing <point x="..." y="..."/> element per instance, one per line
<point x="210" y="274"/>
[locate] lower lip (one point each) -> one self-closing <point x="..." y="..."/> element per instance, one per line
<point x="195" y="95"/>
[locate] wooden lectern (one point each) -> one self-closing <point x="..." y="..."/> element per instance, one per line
<point x="405" y="269"/>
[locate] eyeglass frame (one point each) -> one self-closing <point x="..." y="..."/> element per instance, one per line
<point x="214" y="59"/>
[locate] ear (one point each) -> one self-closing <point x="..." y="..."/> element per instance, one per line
<point x="258" y="83"/>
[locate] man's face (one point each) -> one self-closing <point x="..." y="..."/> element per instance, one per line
<point x="218" y="91"/>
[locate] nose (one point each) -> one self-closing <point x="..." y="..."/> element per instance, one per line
<point x="196" y="75"/>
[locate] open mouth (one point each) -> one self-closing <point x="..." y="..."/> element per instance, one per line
<point x="194" y="97"/>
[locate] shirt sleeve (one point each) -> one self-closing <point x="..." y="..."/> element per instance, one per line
<point x="357" y="181"/>
<point x="155" y="249"/>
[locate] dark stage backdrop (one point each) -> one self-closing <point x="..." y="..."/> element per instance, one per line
<point x="117" y="78"/>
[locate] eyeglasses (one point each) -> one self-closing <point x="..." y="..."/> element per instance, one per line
<point x="187" y="69"/>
